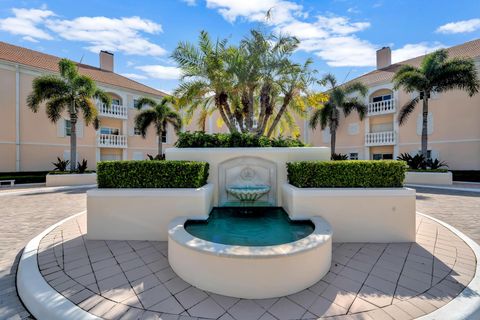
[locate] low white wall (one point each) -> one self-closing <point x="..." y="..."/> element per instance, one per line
<point x="251" y="272"/>
<point x="280" y="156"/>
<point x="432" y="178"/>
<point x="142" y="214"/>
<point x="357" y="215"/>
<point x="71" y="179"/>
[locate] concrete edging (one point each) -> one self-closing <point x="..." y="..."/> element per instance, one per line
<point x="465" y="306"/>
<point x="40" y="299"/>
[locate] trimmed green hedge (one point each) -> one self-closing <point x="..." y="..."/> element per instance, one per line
<point x="70" y="172"/>
<point x="24" y="176"/>
<point x="151" y="174"/>
<point x="201" y="139"/>
<point x="347" y="174"/>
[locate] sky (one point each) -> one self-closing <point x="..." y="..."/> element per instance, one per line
<point x="341" y="36"/>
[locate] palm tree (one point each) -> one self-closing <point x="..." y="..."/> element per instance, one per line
<point x="340" y="98"/>
<point x="256" y="80"/>
<point x="436" y="74"/>
<point x="70" y="92"/>
<point x="160" y="115"/>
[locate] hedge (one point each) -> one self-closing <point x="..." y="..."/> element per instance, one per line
<point x="201" y="139"/>
<point x="151" y="174"/>
<point x="347" y="174"/>
<point x="24" y="176"/>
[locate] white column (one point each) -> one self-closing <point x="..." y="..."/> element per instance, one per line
<point x="17" y="118"/>
<point x="396" y="127"/>
<point x="366" y="150"/>
<point x="97" y="154"/>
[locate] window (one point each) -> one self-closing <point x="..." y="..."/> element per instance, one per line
<point x="164" y="136"/>
<point x="429" y="153"/>
<point x="382" y="98"/>
<point x="113" y="131"/>
<point x="137" y="132"/>
<point x="116" y="102"/>
<point x="135" y="103"/>
<point x="68" y="128"/>
<point x="353" y="156"/>
<point x="382" y="156"/>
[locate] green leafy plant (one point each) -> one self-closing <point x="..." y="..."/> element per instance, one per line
<point x="157" y="157"/>
<point x="200" y="139"/>
<point x="152" y="174"/>
<point x="60" y="165"/>
<point x="346" y="174"/>
<point x="339" y="156"/>
<point x="413" y="162"/>
<point x="82" y="166"/>
<point x="436" y="164"/>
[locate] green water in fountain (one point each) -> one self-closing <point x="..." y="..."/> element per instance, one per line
<point x="249" y="226"/>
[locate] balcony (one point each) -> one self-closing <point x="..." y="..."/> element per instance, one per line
<point x="381" y="107"/>
<point x="111" y="141"/>
<point x="385" y="138"/>
<point x="114" y="111"/>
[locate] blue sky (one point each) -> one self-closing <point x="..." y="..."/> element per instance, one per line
<point x="340" y="35"/>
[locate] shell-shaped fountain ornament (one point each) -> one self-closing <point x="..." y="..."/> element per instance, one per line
<point x="248" y="192"/>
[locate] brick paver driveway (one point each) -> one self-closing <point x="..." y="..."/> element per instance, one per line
<point x="24" y="216"/>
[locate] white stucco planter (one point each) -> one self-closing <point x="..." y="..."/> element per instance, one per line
<point x="428" y="178"/>
<point x="142" y="214"/>
<point x="220" y="158"/>
<point x="356" y="214"/>
<point x="71" y="179"/>
<point x="250" y="272"/>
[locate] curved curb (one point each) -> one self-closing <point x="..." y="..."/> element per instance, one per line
<point x="41" y="300"/>
<point x="45" y="190"/>
<point x="44" y="302"/>
<point x="466" y="305"/>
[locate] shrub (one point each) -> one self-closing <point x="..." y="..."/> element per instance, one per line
<point x="157" y="157"/>
<point x="339" y="156"/>
<point x="415" y="162"/>
<point x="82" y="166"/>
<point x="151" y="174"/>
<point x="201" y="139"/>
<point x="25" y="176"/>
<point x="436" y="164"/>
<point x="346" y="174"/>
<point x="60" y="165"/>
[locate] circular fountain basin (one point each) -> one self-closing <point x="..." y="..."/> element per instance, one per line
<point x="217" y="259"/>
<point x="248" y="193"/>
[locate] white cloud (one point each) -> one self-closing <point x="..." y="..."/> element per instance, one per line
<point x="409" y="51"/>
<point x="463" y="26"/>
<point x="134" y="76"/>
<point x="102" y="33"/>
<point x="280" y="10"/>
<point x="161" y="72"/>
<point x="27" y="23"/>
<point x="345" y="51"/>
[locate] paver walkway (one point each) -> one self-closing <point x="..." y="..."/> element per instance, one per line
<point x="21" y="220"/>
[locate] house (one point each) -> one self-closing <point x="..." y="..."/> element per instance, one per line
<point x="30" y="142"/>
<point x="454" y="119"/>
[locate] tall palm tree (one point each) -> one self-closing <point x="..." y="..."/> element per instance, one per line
<point x="158" y="114"/>
<point x="70" y="92"/>
<point x="340" y="98"/>
<point x="436" y="74"/>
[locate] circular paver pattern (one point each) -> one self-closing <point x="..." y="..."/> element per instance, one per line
<point x="133" y="279"/>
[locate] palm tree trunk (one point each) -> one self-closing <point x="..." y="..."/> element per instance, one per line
<point x="425" y="125"/>
<point x="286" y="101"/>
<point x="73" y="142"/>
<point x="160" y="143"/>
<point x="333" y="141"/>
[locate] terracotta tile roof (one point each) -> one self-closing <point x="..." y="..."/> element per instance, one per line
<point x="48" y="62"/>
<point x="468" y="49"/>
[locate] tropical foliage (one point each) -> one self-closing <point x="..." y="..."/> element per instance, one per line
<point x="255" y="86"/>
<point x="70" y="92"/>
<point x="418" y="162"/>
<point x="340" y="98"/>
<point x="232" y="140"/>
<point x="158" y="114"/>
<point x="436" y="74"/>
<point x="61" y="165"/>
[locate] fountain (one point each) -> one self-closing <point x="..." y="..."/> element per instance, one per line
<point x="248" y="193"/>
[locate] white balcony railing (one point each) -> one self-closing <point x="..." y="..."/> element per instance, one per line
<point x="380" y="138"/>
<point x="114" y="111"/>
<point x="111" y="141"/>
<point x="381" y="107"/>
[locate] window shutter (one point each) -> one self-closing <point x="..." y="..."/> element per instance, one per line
<point x="131" y="132"/>
<point x="430" y="124"/>
<point x="61" y="128"/>
<point x="326" y="135"/>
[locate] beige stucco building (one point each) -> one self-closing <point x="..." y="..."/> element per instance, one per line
<point x="30" y="142"/>
<point x="454" y="119"/>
